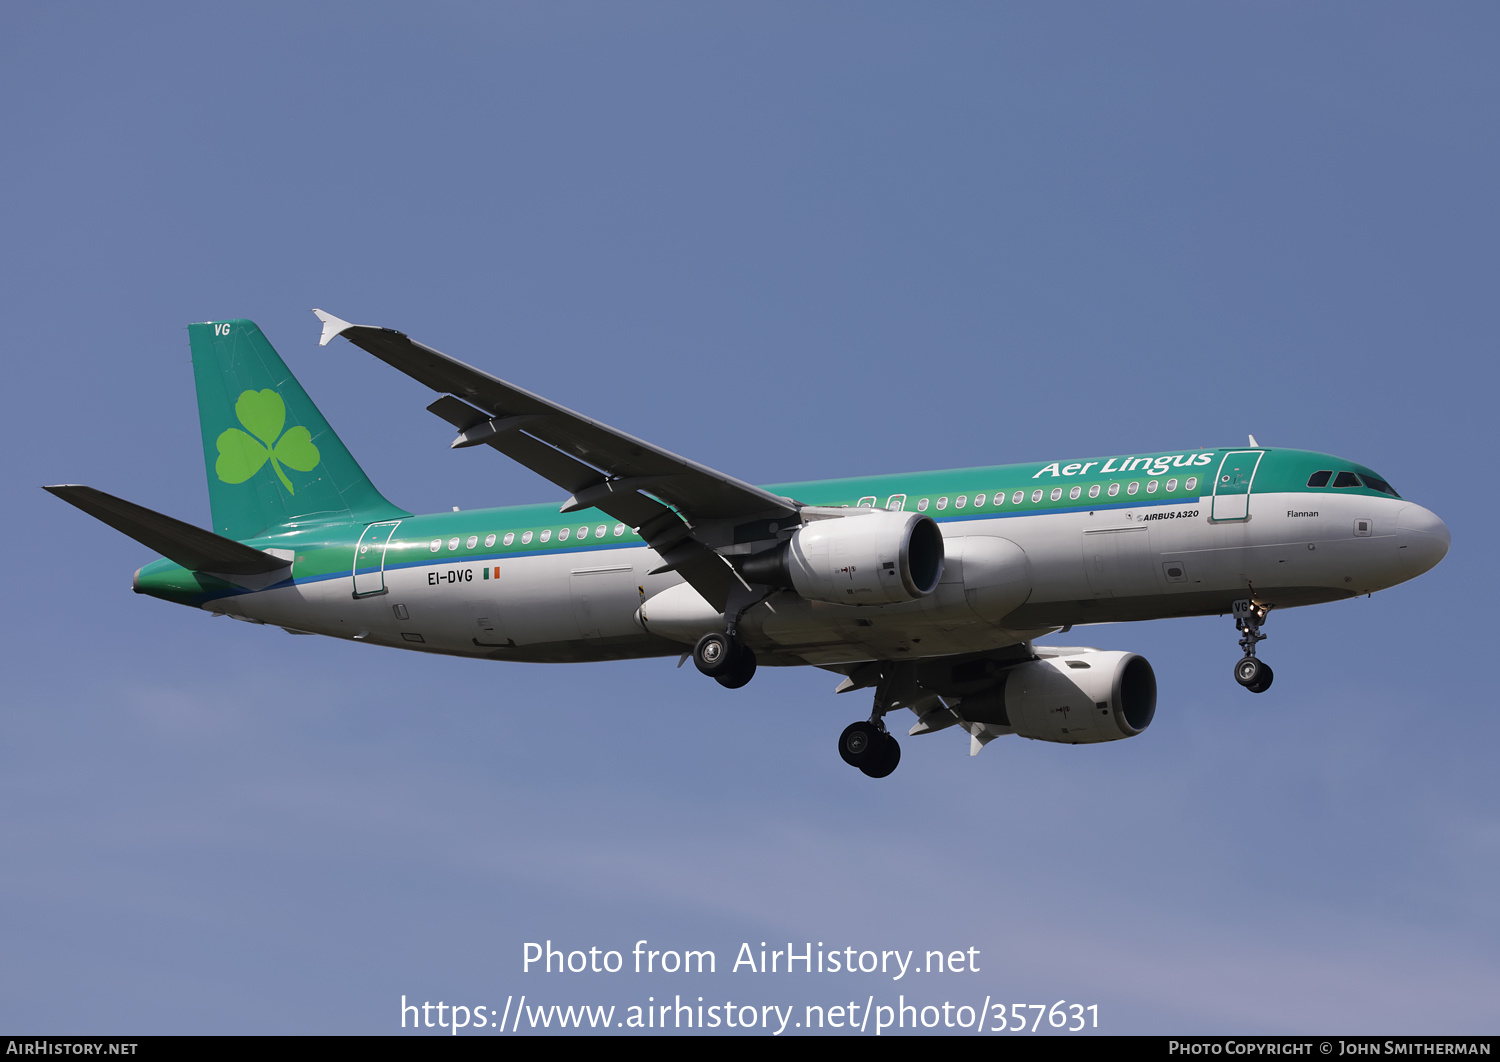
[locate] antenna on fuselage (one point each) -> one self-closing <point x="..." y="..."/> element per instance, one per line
<point x="1254" y="443"/>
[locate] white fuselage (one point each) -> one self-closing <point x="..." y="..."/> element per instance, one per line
<point x="1006" y="579"/>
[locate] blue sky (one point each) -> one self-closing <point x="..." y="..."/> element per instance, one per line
<point x="791" y="241"/>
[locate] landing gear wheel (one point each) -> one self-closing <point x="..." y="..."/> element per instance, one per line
<point x="714" y="654"/>
<point x="857" y="741"/>
<point x="871" y="749"/>
<point x="741" y="668"/>
<point x="1253" y="674"/>
<point x="889" y="758"/>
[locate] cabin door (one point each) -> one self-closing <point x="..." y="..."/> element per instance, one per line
<point x="1232" y="484"/>
<point x="369" y="559"/>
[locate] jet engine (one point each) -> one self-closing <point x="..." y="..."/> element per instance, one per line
<point x="1078" y="698"/>
<point x="870" y="557"/>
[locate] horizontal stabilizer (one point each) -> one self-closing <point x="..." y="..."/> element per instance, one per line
<point x="192" y="547"/>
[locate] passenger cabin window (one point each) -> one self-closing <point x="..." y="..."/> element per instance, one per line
<point x="453" y="543"/>
<point x="619" y="530"/>
<point x="865" y="503"/>
<point x="1346" y="479"/>
<point x="1151" y="487"/>
<point x="526" y="538"/>
<point x="599" y="531"/>
<point x="979" y="499"/>
<point x="961" y="501"/>
<point x="1114" y="488"/>
<point x="1056" y="493"/>
<point x="942" y="503"/>
<point x="1094" y="491"/>
<point x="922" y="506"/>
<point x="489" y="540"/>
<point x="1018" y="497"/>
<point x="562" y="536"/>
<point x="1132" y="488"/>
<point x="510" y="537"/>
<point x="1036" y="496"/>
<point x="1171" y="484"/>
<point x="437" y="544"/>
<point x="1075" y="493"/>
<point x="1192" y="483"/>
<point x="1000" y="498"/>
<point x="473" y="541"/>
<point x="1319" y="479"/>
<point x="545" y="536"/>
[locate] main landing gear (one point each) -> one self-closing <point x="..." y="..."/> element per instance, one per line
<point x="725" y="659"/>
<point x="1255" y="675"/>
<point x="867" y="744"/>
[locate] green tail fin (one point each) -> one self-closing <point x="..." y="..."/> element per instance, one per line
<point x="271" y="457"/>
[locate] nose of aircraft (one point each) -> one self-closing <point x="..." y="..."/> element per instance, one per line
<point x="1421" y="540"/>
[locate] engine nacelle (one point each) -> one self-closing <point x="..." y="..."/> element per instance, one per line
<point x="1076" y="699"/>
<point x="870" y="557"/>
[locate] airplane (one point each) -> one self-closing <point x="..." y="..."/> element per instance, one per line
<point x="928" y="588"/>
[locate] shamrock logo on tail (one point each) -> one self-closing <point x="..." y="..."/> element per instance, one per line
<point x="241" y="455"/>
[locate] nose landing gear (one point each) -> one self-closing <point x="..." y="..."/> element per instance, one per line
<point x="1255" y="675"/>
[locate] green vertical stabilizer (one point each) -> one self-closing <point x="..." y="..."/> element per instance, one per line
<point x="271" y="458"/>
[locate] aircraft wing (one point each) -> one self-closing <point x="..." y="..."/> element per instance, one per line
<point x="601" y="467"/>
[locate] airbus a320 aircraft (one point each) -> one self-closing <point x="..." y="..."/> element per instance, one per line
<point x="928" y="588"/>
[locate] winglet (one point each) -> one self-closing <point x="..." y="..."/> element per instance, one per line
<point x="332" y="326"/>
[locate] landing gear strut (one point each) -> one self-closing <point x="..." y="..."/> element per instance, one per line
<point x="1255" y="675"/>
<point x="867" y="744"/>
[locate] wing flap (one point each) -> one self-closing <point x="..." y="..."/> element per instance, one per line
<point x="662" y="529"/>
<point x="544" y="460"/>
<point x="624" y="504"/>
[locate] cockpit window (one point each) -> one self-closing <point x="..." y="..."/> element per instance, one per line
<point x="1346" y="479"/>
<point x="1378" y="484"/>
<point x="1319" y="479"/>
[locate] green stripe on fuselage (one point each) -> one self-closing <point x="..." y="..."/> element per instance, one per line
<point x="326" y="551"/>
